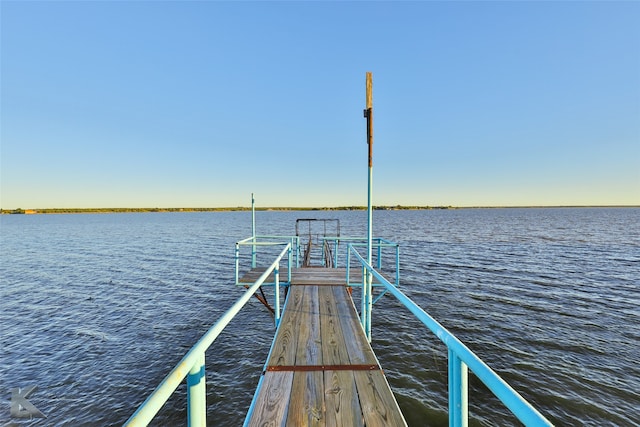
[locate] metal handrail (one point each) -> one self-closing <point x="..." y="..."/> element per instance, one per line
<point x="461" y="358"/>
<point x="294" y="241"/>
<point x="192" y="364"/>
<point x="381" y="243"/>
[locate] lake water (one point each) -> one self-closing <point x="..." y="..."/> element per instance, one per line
<point x="96" y="309"/>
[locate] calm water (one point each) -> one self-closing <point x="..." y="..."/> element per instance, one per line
<point x="96" y="309"/>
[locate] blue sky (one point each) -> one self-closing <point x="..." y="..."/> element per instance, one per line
<point x="198" y="104"/>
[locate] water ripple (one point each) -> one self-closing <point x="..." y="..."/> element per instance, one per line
<point x="96" y="309"/>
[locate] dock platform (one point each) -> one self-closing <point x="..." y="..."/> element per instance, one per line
<point x="321" y="369"/>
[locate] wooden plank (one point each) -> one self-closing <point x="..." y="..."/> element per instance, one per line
<point x="318" y="276"/>
<point x="273" y="400"/>
<point x="306" y="406"/>
<point x="334" y="350"/>
<point x="320" y="330"/>
<point x="379" y="406"/>
<point x="308" y="347"/>
<point x="358" y="346"/>
<point x="311" y="276"/>
<point x="341" y="400"/>
<point x="284" y="347"/>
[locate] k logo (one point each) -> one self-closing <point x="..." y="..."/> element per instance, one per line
<point x="21" y="407"/>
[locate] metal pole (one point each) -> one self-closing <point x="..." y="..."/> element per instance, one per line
<point x="237" y="261"/>
<point x="458" y="391"/>
<point x="289" y="264"/>
<point x="348" y="263"/>
<point x="363" y="312"/>
<point x="397" y="265"/>
<point x="369" y="304"/>
<point x="253" y="231"/>
<point x="276" y="273"/>
<point x="197" y="394"/>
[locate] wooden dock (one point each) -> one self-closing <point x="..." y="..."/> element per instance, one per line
<point x="321" y="369"/>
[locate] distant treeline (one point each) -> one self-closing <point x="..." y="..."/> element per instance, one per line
<point x="125" y="210"/>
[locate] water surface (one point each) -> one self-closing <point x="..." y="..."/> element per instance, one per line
<point x="96" y="308"/>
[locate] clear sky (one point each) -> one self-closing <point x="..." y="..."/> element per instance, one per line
<point x="198" y="104"/>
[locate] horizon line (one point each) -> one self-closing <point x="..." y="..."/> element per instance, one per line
<point x="293" y="208"/>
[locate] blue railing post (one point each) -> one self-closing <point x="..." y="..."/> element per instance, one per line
<point x="379" y="253"/>
<point x="397" y="265"/>
<point x="363" y="312"/>
<point x="253" y="231"/>
<point x="348" y="263"/>
<point x="253" y="254"/>
<point x="369" y="304"/>
<point x="458" y="391"/>
<point x="289" y="264"/>
<point x="276" y="273"/>
<point x="335" y="254"/>
<point x="237" y="261"/>
<point x="197" y="394"/>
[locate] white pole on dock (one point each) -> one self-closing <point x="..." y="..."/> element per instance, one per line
<point x="368" y="113"/>
<point x="253" y="231"/>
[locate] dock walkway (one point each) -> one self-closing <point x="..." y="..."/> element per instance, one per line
<point x="321" y="369"/>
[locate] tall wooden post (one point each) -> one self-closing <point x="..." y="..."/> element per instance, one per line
<point x="368" y="113"/>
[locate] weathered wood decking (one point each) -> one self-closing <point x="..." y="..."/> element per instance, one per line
<point x="321" y="369"/>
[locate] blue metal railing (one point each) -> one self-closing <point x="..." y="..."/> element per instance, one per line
<point x="192" y="364"/>
<point x="379" y="244"/>
<point x="461" y="358"/>
<point x="256" y="241"/>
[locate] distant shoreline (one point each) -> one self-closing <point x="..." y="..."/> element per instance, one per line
<point x="243" y="208"/>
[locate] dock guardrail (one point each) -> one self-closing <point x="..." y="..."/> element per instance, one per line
<point x="192" y="364"/>
<point x="254" y="242"/>
<point x="379" y="244"/>
<point x="461" y="358"/>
